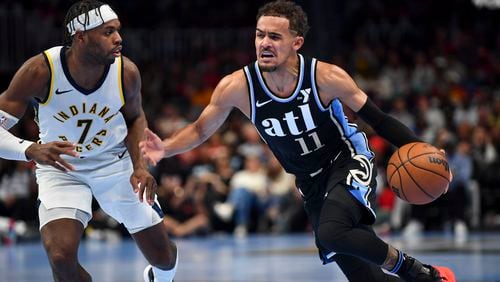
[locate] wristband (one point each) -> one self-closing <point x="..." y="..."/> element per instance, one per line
<point x="11" y="147"/>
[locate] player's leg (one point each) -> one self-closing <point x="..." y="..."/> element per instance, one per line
<point x="340" y="231"/>
<point x="145" y="224"/>
<point x="160" y="252"/>
<point x="61" y="230"/>
<point x="112" y="189"/>
<point x="358" y="270"/>
<point x="64" y="211"/>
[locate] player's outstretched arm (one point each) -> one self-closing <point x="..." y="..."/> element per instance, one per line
<point x="229" y="93"/>
<point x="334" y="82"/>
<point x="30" y="81"/>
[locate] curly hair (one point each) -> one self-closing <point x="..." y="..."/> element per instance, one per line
<point x="288" y="10"/>
<point x="74" y="11"/>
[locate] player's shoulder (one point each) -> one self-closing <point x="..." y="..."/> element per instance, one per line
<point x="234" y="82"/>
<point x="34" y="73"/>
<point x="131" y="75"/>
<point x="334" y="78"/>
<point x="332" y="72"/>
<point x="36" y="67"/>
<point x="232" y="90"/>
<point x="129" y="67"/>
<point x="31" y="79"/>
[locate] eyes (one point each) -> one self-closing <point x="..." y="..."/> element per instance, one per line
<point x="272" y="36"/>
<point x="110" y="31"/>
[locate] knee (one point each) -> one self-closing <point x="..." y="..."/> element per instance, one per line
<point x="166" y="258"/>
<point x="61" y="258"/>
<point x="331" y="236"/>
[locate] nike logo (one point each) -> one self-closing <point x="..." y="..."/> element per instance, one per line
<point x="58" y="92"/>
<point x="260" y="104"/>
<point x="122" y="154"/>
<point x="21" y="141"/>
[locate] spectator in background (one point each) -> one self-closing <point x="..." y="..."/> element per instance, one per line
<point x="394" y="75"/>
<point x="17" y="198"/>
<point x="248" y="192"/>
<point x="485" y="159"/>
<point x="169" y="120"/>
<point x="185" y="212"/>
<point x="430" y="116"/>
<point x="252" y="143"/>
<point x="457" y="198"/>
<point x="283" y="202"/>
<point x="423" y="75"/>
<point x="399" y="111"/>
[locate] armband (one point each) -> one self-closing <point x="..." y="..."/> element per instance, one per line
<point x="386" y="126"/>
<point x="11" y="147"/>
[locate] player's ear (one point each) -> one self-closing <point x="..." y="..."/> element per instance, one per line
<point x="78" y="36"/>
<point x="298" y="42"/>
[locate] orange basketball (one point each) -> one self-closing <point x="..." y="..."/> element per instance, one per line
<point x="418" y="173"/>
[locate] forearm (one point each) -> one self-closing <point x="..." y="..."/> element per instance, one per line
<point x="184" y="140"/>
<point x="136" y="134"/>
<point x="386" y="126"/>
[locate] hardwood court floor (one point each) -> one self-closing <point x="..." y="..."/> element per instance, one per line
<point x="257" y="258"/>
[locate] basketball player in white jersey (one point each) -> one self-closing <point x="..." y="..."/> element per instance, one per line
<point x="295" y="102"/>
<point x="90" y="118"/>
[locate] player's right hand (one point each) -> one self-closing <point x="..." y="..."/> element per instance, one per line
<point x="50" y="154"/>
<point x="153" y="149"/>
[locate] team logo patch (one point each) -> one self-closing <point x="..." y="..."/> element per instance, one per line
<point x="363" y="174"/>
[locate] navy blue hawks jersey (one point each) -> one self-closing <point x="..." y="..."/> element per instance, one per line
<point x="305" y="135"/>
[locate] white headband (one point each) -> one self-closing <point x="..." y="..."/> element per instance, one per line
<point x="92" y="19"/>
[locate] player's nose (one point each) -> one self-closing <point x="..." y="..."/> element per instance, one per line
<point x="117" y="39"/>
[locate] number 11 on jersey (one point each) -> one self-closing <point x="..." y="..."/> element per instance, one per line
<point x="305" y="149"/>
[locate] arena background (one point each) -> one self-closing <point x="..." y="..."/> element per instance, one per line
<point x="434" y="65"/>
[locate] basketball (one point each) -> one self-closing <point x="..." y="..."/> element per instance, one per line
<point x="418" y="173"/>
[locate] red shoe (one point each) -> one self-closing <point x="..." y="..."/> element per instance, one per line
<point x="445" y="273"/>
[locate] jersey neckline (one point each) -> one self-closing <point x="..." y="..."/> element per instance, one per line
<point x="73" y="82"/>
<point x="270" y="93"/>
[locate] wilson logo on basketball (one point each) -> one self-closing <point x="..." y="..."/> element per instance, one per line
<point x="439" y="161"/>
<point x="396" y="191"/>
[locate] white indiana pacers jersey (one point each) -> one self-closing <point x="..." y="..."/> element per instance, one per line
<point x="89" y="118"/>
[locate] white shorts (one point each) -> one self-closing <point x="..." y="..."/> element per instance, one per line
<point x="109" y="184"/>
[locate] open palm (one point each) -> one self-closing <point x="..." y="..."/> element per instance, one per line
<point x="152" y="148"/>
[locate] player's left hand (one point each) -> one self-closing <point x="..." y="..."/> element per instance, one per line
<point x="451" y="174"/>
<point x="144" y="185"/>
<point x="152" y="148"/>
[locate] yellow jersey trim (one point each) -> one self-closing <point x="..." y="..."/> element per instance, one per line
<point x="120" y="79"/>
<point x="51" y="88"/>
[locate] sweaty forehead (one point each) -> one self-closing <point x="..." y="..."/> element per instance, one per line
<point x="273" y="24"/>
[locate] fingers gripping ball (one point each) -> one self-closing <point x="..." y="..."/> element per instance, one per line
<point x="418" y="173"/>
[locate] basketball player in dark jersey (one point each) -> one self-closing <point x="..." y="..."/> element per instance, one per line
<point x="295" y="102"/>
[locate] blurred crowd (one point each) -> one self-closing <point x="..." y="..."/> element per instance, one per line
<point x="433" y="66"/>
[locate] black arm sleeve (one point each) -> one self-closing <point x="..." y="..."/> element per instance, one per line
<point x="386" y="126"/>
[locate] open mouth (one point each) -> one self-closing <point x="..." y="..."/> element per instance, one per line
<point x="117" y="51"/>
<point x="267" y="54"/>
